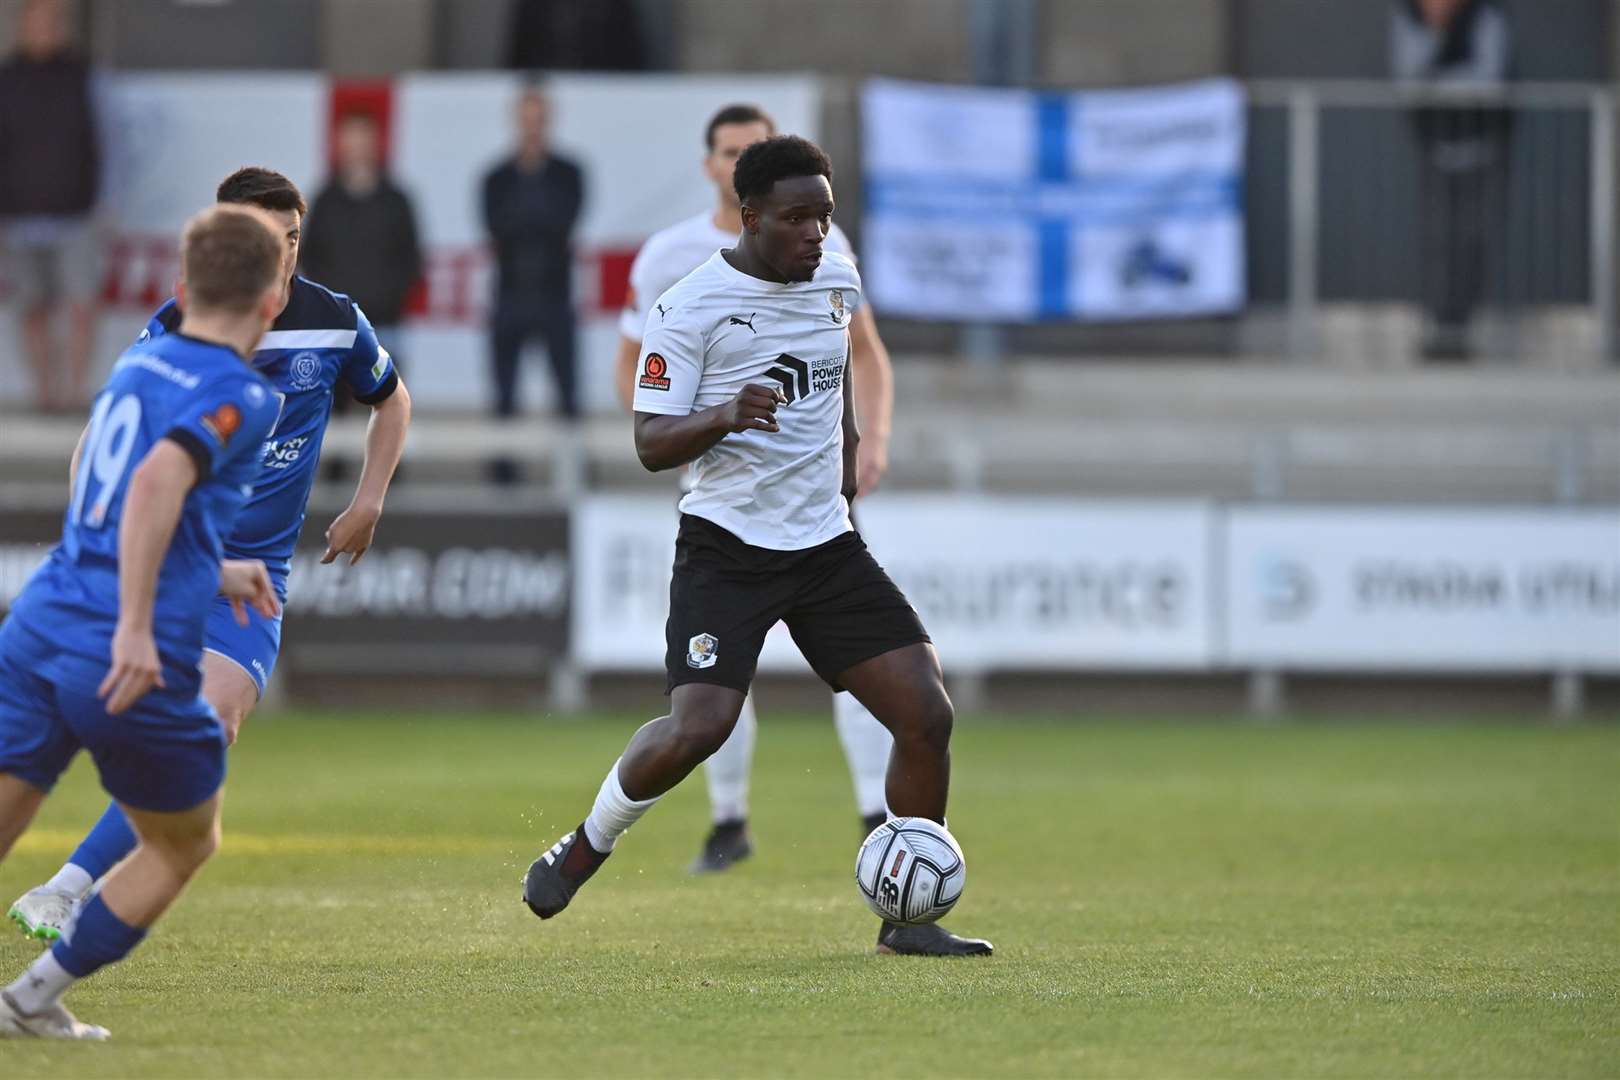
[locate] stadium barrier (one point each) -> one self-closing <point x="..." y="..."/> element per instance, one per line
<point x="1005" y="584"/>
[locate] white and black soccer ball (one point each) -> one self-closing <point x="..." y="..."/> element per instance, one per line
<point x="910" y="870"/>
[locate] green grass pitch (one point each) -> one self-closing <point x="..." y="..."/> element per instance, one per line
<point x="1167" y="898"/>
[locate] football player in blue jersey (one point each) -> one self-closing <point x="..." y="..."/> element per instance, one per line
<point x="170" y="457"/>
<point x="319" y="339"/>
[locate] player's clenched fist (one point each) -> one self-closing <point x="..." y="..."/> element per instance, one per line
<point x="754" y="408"/>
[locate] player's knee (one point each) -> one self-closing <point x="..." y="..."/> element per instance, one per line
<point x="704" y="730"/>
<point x="232" y="715"/>
<point x="198" y="848"/>
<point x="932" y="720"/>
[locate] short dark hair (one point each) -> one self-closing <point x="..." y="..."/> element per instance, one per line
<point x="737" y="114"/>
<point x="778" y="158"/>
<point x="261" y="187"/>
<point x="229" y="258"/>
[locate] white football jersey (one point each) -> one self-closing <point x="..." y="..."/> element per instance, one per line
<point x="670" y="254"/>
<point x="716" y="331"/>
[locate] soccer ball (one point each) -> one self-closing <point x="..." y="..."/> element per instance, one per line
<point x="910" y="870"/>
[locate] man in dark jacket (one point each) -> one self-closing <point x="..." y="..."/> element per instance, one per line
<point x="50" y="175"/>
<point x="531" y="202"/>
<point x="360" y="237"/>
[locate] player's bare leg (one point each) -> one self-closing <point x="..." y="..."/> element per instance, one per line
<point x="230" y="690"/>
<point x="172" y="848"/>
<point x="44" y="911"/>
<point x="19" y="802"/>
<point x="905" y="689"/>
<point x="660" y="755"/>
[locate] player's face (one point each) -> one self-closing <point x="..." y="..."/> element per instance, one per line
<point x="290" y="227"/>
<point x="730" y="140"/>
<point x="790" y="225"/>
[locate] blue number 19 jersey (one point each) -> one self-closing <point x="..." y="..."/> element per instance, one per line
<point x="205" y="398"/>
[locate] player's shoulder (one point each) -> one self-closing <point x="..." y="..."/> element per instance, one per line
<point x="165" y="320"/>
<point x="695" y="297"/>
<point x="838" y="271"/>
<point x="312" y="306"/>
<point x="173" y="364"/>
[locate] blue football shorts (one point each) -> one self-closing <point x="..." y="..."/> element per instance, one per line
<point x="253" y="647"/>
<point x="166" y="753"/>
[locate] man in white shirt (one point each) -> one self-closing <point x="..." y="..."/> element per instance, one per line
<point x="745" y="372"/>
<point x="667" y="257"/>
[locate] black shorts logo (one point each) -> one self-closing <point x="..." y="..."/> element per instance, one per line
<point x="653" y="373"/>
<point x="702" y="651"/>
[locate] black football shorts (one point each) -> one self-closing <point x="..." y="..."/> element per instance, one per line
<point x="839" y="605"/>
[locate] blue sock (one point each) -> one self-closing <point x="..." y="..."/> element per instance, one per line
<point x="99" y="938"/>
<point x="107" y="844"/>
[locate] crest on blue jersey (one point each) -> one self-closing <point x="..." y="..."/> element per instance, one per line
<point x="306" y="371"/>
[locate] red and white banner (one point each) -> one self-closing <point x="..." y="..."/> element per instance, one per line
<point x="172" y="137"/>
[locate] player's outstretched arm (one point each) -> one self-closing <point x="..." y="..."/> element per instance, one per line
<point x="666" y="442"/>
<point x="874" y="397"/>
<point x="152" y="507"/>
<point x="352" y="531"/>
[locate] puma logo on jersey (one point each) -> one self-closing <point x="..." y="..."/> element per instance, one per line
<point x="661" y="312"/>
<point x="738" y="320"/>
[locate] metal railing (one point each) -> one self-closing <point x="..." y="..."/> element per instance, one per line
<point x="1535" y="146"/>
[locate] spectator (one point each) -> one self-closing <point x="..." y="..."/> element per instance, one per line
<point x="1463" y="150"/>
<point x="531" y="202"/>
<point x="50" y="175"/>
<point x="360" y="237"/>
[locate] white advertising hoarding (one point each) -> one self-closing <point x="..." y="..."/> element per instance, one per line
<point x="1000" y="583"/>
<point x="1407" y="588"/>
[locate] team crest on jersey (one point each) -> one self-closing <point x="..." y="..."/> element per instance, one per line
<point x="306" y="371"/>
<point x="655" y="374"/>
<point x="836" y="299"/>
<point x="702" y="651"/>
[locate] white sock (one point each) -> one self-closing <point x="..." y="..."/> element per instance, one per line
<point x="73" y="880"/>
<point x="866" y="744"/>
<point x="613" y="813"/>
<point x="41" y="986"/>
<point x="728" y="768"/>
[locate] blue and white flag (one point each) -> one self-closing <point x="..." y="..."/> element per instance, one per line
<point x="1018" y="206"/>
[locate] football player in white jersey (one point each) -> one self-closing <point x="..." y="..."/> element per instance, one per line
<point x="745" y="372"/>
<point x="666" y="257"/>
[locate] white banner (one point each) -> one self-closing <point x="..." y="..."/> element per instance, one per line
<point x="1396" y="588"/>
<point x="1012" y="205"/>
<point x="1000" y="583"/>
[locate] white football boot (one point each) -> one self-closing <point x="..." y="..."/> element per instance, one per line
<point x="44" y="913"/>
<point x="52" y="1023"/>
